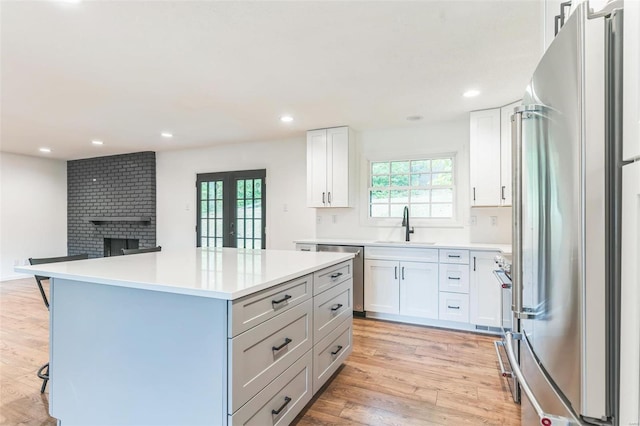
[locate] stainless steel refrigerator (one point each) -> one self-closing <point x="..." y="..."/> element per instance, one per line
<point x="568" y="171"/>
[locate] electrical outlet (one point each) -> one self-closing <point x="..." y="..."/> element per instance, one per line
<point x="285" y="208"/>
<point x="16" y="262"/>
<point x="318" y="219"/>
<point x="334" y="218"/>
<point x="473" y="220"/>
<point x="494" y="220"/>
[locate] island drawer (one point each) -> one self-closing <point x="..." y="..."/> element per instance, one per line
<point x="330" y="352"/>
<point x="331" y="276"/>
<point x="454" y="277"/>
<point x="454" y="307"/>
<point x="259" y="355"/>
<point x="282" y="399"/>
<point x="331" y="308"/>
<point x="454" y="256"/>
<point x="252" y="310"/>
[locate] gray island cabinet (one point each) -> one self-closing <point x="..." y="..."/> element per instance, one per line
<point x="195" y="337"/>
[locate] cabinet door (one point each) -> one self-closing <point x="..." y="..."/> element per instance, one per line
<point x="419" y="289"/>
<point x="338" y="167"/>
<point x="485" y="293"/>
<point x="381" y="286"/>
<point x="505" y="153"/>
<point x="316" y="168"/>
<point x="484" y="157"/>
<point x="631" y="83"/>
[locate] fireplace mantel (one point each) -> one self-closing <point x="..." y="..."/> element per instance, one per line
<point x="98" y="220"/>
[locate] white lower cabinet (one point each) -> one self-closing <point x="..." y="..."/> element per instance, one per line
<point x="454" y="307"/>
<point x="330" y="352"/>
<point x="419" y="289"/>
<point x="485" y="293"/>
<point x="381" y="286"/>
<point x="401" y="288"/>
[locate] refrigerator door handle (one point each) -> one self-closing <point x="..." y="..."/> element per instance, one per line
<point x="545" y="418"/>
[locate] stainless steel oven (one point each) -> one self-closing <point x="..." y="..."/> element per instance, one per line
<point x="508" y="323"/>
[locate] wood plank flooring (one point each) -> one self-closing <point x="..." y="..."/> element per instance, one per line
<point x="397" y="374"/>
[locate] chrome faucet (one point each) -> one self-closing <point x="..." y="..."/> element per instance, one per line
<point x="405" y="222"/>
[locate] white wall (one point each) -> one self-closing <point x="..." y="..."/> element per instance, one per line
<point x="288" y="218"/>
<point x="33" y="210"/>
<point x="400" y="143"/>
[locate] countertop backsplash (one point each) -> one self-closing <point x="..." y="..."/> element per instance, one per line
<point x="490" y="225"/>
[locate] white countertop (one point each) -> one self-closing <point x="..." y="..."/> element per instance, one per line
<point x="503" y="248"/>
<point x="222" y="273"/>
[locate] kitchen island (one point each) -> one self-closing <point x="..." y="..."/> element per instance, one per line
<point x="195" y="337"/>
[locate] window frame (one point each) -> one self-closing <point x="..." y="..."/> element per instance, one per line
<point x="430" y="222"/>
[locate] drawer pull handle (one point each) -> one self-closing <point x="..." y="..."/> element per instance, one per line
<point x="457" y="256"/>
<point x="284" y="299"/>
<point x="336" y="275"/>
<point x="287" y="400"/>
<point x="454" y="278"/>
<point x="336" y="307"/>
<point x="305" y="249"/>
<point x="453" y="307"/>
<point x="286" y="342"/>
<point x="337" y="351"/>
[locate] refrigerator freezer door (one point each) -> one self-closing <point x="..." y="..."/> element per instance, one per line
<point x="630" y="317"/>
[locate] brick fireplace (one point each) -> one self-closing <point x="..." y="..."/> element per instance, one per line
<point x="111" y="198"/>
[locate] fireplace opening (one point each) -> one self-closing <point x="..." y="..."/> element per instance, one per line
<point x="114" y="246"/>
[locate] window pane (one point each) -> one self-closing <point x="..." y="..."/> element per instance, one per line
<point x="203" y="190"/>
<point x="211" y="194"/>
<point x="257" y="188"/>
<point x="380" y="210"/>
<point x="399" y="197"/>
<point x="257" y="243"/>
<point x="240" y="189"/>
<point x="380" y="181"/>
<point x="204" y="232"/>
<point x="219" y="228"/>
<point x="397" y="210"/>
<point x="203" y="242"/>
<point x="442" y="165"/>
<point x="421" y="180"/>
<point x="257" y="228"/>
<point x="203" y="209"/>
<point x="240" y="228"/>
<point x="379" y="197"/>
<point x="420" y="166"/>
<point x="420" y="196"/>
<point x="240" y="242"/>
<point x="218" y="242"/>
<point x="249" y="188"/>
<point x="219" y="190"/>
<point x="379" y="168"/>
<point x="399" y="180"/>
<point x="218" y="209"/>
<point x="249" y="231"/>
<point x="399" y="167"/>
<point x="249" y="209"/>
<point x="442" y="210"/>
<point x="442" y="179"/>
<point x="442" y="195"/>
<point x="211" y="213"/>
<point x="419" y="210"/>
<point x="240" y="208"/>
<point x="257" y="208"/>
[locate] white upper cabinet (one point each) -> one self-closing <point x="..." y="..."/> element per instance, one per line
<point x="330" y="157"/>
<point x="484" y="157"/>
<point x="505" y="153"/>
<point x="490" y="156"/>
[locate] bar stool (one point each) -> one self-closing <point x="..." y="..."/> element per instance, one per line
<point x="43" y="372"/>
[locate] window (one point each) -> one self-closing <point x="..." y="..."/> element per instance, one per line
<point x="425" y="185"/>
<point x="231" y="209"/>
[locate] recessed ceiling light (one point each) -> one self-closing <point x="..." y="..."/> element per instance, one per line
<point x="97" y="142"/>
<point x="415" y="118"/>
<point x="45" y="150"/>
<point x="166" y="135"/>
<point x="471" y="93"/>
<point x="286" y="119"/>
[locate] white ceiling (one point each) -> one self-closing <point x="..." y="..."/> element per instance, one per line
<point x="224" y="72"/>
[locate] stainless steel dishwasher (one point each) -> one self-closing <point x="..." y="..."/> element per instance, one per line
<point x="358" y="273"/>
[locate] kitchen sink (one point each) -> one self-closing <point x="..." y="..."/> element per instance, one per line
<point x="420" y="243"/>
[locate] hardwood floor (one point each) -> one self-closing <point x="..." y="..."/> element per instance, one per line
<point x="397" y="374"/>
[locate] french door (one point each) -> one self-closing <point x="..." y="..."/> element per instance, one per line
<point x="231" y="209"/>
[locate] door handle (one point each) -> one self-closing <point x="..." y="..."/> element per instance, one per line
<point x="336" y="307"/>
<point x="287" y="400"/>
<point x="403" y="272"/>
<point x="334" y="353"/>
<point x="395" y="272"/>
<point x="286" y="342"/>
<point x="323" y="202"/>
<point x="502" y="193"/>
<point x="503" y="371"/>
<point x="329" y="197"/>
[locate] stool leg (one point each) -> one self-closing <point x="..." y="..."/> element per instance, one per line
<point x="44" y="376"/>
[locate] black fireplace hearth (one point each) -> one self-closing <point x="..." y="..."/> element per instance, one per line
<point x="114" y="246"/>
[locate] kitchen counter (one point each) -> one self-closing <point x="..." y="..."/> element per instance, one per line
<point x="221" y="273"/>
<point x="196" y="336"/>
<point x="504" y="248"/>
